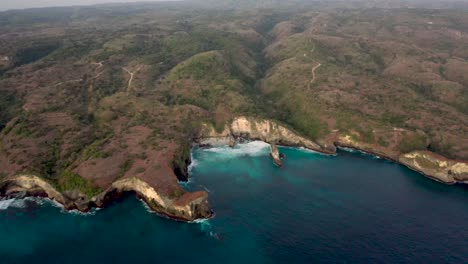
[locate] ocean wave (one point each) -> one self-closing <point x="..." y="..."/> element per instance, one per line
<point x="193" y="164"/>
<point x="148" y="209"/>
<point x="201" y="221"/>
<point x="22" y="203"/>
<point x="205" y="226"/>
<point x="12" y="203"/>
<point x="303" y="149"/>
<point x="254" y="148"/>
<point x="351" y="150"/>
<point x="186" y="183"/>
<point x="79" y="213"/>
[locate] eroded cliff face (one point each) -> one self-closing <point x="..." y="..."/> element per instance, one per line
<point x="186" y="207"/>
<point x="348" y="141"/>
<point x="29" y="185"/>
<point x="436" y="166"/>
<point x="426" y="162"/>
<point x="260" y="129"/>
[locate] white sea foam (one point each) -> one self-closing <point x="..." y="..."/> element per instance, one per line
<point x="205" y="226"/>
<point x="190" y="181"/>
<point x="201" y="221"/>
<point x="254" y="148"/>
<point x="14" y="203"/>
<point x="349" y="149"/>
<point x="79" y="213"/>
<point x="21" y="203"/>
<point x="148" y="209"/>
<point x="311" y="151"/>
<point x="193" y="164"/>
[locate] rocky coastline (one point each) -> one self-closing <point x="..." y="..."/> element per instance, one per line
<point x="192" y="206"/>
<point x="188" y="207"/>
<point x="427" y="163"/>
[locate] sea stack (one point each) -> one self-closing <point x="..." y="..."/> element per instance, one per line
<point x="232" y="142"/>
<point x="275" y="155"/>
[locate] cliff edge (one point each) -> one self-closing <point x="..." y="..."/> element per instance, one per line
<point x="186" y="207"/>
<point x="428" y="163"/>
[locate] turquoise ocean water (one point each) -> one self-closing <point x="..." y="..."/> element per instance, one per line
<point x="349" y="208"/>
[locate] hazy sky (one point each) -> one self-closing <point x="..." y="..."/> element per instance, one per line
<point x="18" y="4"/>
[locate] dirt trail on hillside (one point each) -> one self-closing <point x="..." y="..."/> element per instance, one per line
<point x="100" y="65"/>
<point x="313" y="75"/>
<point x="132" y="74"/>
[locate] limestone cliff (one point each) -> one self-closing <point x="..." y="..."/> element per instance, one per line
<point x="187" y="207"/>
<point x="428" y="163"/>
<point x="260" y="129"/>
<point x="436" y="166"/>
<point x="348" y="141"/>
<point x="28" y="185"/>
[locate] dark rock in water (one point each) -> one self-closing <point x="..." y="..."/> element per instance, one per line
<point x="275" y="155"/>
<point x="232" y="142"/>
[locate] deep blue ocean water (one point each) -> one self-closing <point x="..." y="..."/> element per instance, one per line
<point x="349" y="208"/>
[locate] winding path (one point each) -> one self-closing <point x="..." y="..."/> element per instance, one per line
<point x="132" y="74"/>
<point x="313" y="75"/>
<point x="60" y="83"/>
<point x="100" y="65"/>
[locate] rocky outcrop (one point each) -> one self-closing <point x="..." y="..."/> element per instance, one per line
<point x="28" y="185"/>
<point x="347" y="141"/>
<point x="428" y="163"/>
<point x="275" y="155"/>
<point x="436" y="166"/>
<point x="259" y="129"/>
<point x="186" y="207"/>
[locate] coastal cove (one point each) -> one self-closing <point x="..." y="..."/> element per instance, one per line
<point x="349" y="207"/>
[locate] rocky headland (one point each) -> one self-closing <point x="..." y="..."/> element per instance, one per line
<point x="187" y="207"/>
<point x="428" y="163"/>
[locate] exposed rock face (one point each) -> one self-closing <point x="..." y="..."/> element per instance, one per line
<point x="436" y="166"/>
<point x="348" y="141"/>
<point x="27" y="185"/>
<point x="264" y="130"/>
<point x="428" y="163"/>
<point x="275" y="155"/>
<point x="187" y="207"/>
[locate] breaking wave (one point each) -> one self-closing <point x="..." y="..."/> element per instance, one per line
<point x="23" y="203"/>
<point x="254" y="148"/>
<point x="205" y="226"/>
<point x="12" y="203"/>
<point x="193" y="164"/>
<point x="352" y="150"/>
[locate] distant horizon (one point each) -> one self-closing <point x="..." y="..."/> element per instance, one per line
<point x="26" y="4"/>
